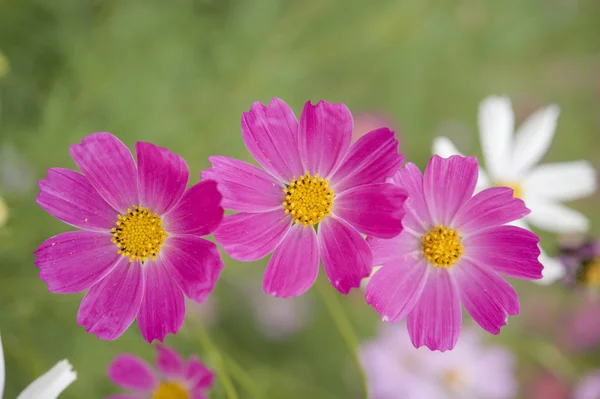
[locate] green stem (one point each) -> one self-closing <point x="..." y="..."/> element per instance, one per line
<point x="240" y="375"/>
<point x="341" y="321"/>
<point x="217" y="361"/>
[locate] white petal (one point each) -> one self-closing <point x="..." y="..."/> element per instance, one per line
<point x="561" y="181"/>
<point x="444" y="147"/>
<point x="51" y="384"/>
<point x="555" y="217"/>
<point x="1" y="369"/>
<point x="496" y="124"/>
<point x="553" y="269"/>
<point x="533" y="138"/>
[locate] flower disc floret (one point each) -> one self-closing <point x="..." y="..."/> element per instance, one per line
<point x="442" y="246"/>
<point x="170" y="390"/>
<point x="139" y="234"/>
<point x="308" y="199"/>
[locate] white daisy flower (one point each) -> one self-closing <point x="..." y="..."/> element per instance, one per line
<point x="511" y="160"/>
<point x="48" y="386"/>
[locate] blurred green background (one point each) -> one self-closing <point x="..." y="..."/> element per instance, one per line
<point x="180" y="74"/>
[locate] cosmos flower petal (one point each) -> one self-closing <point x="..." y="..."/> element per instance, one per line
<point x="163" y="307"/>
<point x="123" y="397"/>
<point x="198" y="213"/>
<point x="271" y="135"/>
<point x="50" y="384"/>
<point x="561" y="181"/>
<point x="109" y="166"/>
<point x="444" y="147"/>
<point x="345" y="254"/>
<point x="373" y="209"/>
<point x="294" y="266"/>
<point x="199" y="374"/>
<point x="245" y="187"/>
<point x="195" y="263"/>
<point x="487" y="297"/>
<point x="110" y="306"/>
<point x="496" y="126"/>
<point x="372" y="159"/>
<point x="491" y="207"/>
<point x="169" y="362"/>
<point x="131" y="372"/>
<point x="324" y="137"/>
<point x="509" y="250"/>
<point x="411" y="180"/>
<point x="436" y="319"/>
<point x="252" y="236"/>
<point x="533" y="138"/>
<point x="386" y="250"/>
<point x="447" y="184"/>
<point x="162" y="176"/>
<point x="68" y="196"/>
<point x="555" y="217"/>
<point x="60" y="260"/>
<point x="395" y="289"/>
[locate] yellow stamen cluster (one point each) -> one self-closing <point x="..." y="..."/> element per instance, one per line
<point x="442" y="246"/>
<point x="308" y="199"/>
<point x="516" y="186"/>
<point x="453" y="379"/>
<point x="139" y="234"/>
<point x="170" y="390"/>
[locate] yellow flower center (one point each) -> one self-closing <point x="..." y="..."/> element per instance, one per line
<point x="516" y="186"/>
<point x="308" y="199"/>
<point x="442" y="246"/>
<point x="452" y="379"/>
<point x="139" y="234"/>
<point x="170" y="390"/>
<point x="590" y="274"/>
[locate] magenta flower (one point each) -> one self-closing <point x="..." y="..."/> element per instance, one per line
<point x="140" y="247"/>
<point x="310" y="177"/>
<point x="453" y="247"/>
<point x="177" y="379"/>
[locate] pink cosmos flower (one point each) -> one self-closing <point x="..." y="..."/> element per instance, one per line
<point x="453" y="247"/>
<point x="176" y="378"/>
<point x="396" y="370"/>
<point x="311" y="176"/>
<point x="140" y="248"/>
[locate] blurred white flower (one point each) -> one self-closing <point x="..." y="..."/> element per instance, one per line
<point x="396" y="370"/>
<point x="511" y="161"/>
<point x="48" y="386"/>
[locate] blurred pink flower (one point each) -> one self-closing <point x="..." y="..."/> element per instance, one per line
<point x="588" y="387"/>
<point x="177" y="378"/>
<point x="396" y="370"/>
<point x="366" y="122"/>
<point x="276" y="318"/>
<point x="582" y="327"/>
<point x="547" y="386"/>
